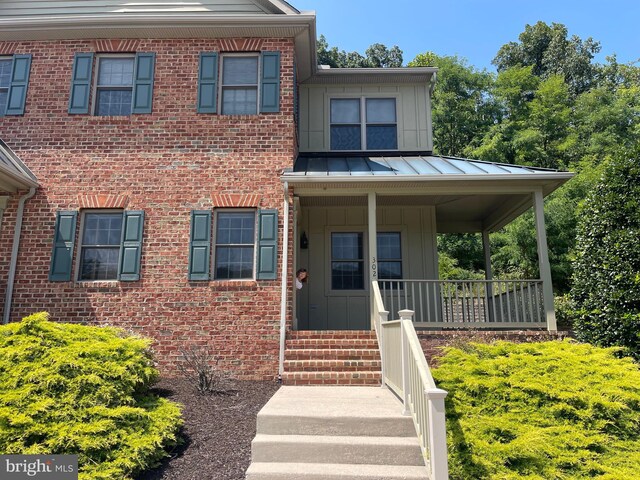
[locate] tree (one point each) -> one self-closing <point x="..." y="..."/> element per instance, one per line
<point x="462" y="107"/>
<point x="606" y="288"/>
<point x="377" y="55"/>
<point x="549" y="51"/>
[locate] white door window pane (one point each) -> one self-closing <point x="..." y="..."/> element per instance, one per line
<point x="116" y="72"/>
<point x="240" y="71"/>
<point x="347" y="261"/>
<point x="345" y="110"/>
<point x="381" y="110"/>
<point x="239" y="101"/>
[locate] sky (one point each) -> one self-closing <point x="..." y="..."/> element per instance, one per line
<point x="473" y="29"/>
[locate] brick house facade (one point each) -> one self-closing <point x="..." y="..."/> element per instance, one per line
<point x="183" y="154"/>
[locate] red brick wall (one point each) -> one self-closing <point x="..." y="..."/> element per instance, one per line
<point x="167" y="164"/>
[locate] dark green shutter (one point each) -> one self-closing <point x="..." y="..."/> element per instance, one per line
<point x="267" y="245"/>
<point x="131" y="246"/>
<point x="200" y="245"/>
<point x="17" y="96"/>
<point x="270" y="94"/>
<point x="208" y="83"/>
<point x="80" y="83"/>
<point x="63" y="242"/>
<point x="142" y="98"/>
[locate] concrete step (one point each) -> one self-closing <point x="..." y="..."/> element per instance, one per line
<point x="332" y="354"/>
<point x="332" y="343"/>
<point x="332" y="378"/>
<point x="332" y="366"/>
<point x="356" y="450"/>
<point x="329" y="471"/>
<point x="334" y="411"/>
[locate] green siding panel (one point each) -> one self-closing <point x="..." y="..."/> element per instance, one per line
<point x="17" y="96"/>
<point x="267" y="245"/>
<point x="63" y="243"/>
<point x="200" y="245"/>
<point x="270" y="94"/>
<point x="142" y="99"/>
<point x="131" y="246"/>
<point x="80" y="83"/>
<point x="208" y="83"/>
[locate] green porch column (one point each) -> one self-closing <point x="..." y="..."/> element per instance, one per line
<point x="373" y="246"/>
<point x="543" y="260"/>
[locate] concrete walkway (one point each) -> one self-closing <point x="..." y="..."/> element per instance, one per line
<point x="327" y="432"/>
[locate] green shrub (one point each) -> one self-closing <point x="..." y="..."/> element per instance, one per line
<point x="606" y="288"/>
<point x="551" y="410"/>
<point x="73" y="389"/>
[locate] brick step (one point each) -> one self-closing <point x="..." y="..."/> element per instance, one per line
<point x="316" y="344"/>
<point x="332" y="365"/>
<point x="331" y="378"/>
<point x="332" y="354"/>
<point x="331" y="334"/>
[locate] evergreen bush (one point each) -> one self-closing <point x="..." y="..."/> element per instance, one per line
<point x="73" y="389"/>
<point x="551" y="410"/>
<point x="606" y="288"/>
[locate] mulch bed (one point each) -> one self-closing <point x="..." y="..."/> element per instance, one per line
<point x="218" y="430"/>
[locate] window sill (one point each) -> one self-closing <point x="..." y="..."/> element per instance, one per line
<point x="215" y="284"/>
<point x="112" y="285"/>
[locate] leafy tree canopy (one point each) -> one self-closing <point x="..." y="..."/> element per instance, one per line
<point x="377" y="55"/>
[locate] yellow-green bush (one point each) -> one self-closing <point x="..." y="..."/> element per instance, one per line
<point x="552" y="410"/>
<point x="73" y="389"/>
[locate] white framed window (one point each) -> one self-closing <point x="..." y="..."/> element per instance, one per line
<point x="363" y="123"/>
<point x="100" y="245"/>
<point x="235" y="244"/>
<point x="5" y="82"/>
<point x="347" y="261"/>
<point x="239" y="88"/>
<point x="389" y="247"/>
<point x="114" y="85"/>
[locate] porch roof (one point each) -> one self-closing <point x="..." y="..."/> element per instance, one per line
<point x="469" y="195"/>
<point x="14" y="174"/>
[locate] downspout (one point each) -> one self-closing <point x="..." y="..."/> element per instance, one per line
<point x="14" y="254"/>
<point x="285" y="275"/>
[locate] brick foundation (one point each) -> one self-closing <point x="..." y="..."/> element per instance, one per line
<point x="434" y="341"/>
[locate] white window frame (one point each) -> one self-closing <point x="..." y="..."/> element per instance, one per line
<point x="78" y="253"/>
<point x="214" y="243"/>
<point x="4" y="108"/>
<point x="363" y="118"/>
<point x="221" y="82"/>
<point x="96" y="74"/>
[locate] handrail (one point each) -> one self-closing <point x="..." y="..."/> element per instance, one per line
<point x="406" y="372"/>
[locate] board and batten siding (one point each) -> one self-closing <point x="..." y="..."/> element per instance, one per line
<point x="413" y="110"/>
<point x="320" y="308"/>
<point x="44" y="8"/>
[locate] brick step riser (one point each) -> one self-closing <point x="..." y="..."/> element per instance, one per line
<point x="331" y="345"/>
<point x="329" y="335"/>
<point x="338" y="369"/>
<point x="334" y="355"/>
<point x="342" y="383"/>
<point x="332" y="378"/>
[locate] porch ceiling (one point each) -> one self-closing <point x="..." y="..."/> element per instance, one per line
<point x="468" y="195"/>
<point x="14" y="175"/>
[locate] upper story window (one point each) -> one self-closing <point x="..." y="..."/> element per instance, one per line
<point x="240" y="84"/>
<point x="5" y="82"/>
<point x="122" y="84"/>
<point x="363" y="124"/>
<point x="114" y="85"/>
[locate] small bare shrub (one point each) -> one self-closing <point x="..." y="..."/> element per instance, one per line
<point x="199" y="367"/>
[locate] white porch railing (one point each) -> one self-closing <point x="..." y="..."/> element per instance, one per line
<point x="406" y="372"/>
<point x="468" y="303"/>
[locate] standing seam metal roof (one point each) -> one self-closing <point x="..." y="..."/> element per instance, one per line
<point x="395" y="166"/>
